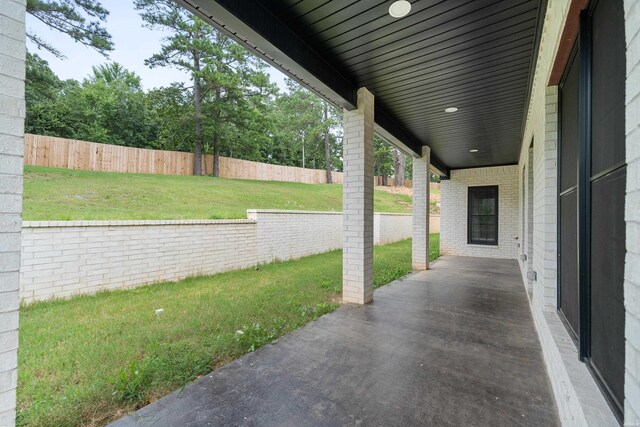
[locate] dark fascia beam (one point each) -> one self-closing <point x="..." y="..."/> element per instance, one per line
<point x="542" y="11"/>
<point x="387" y="122"/>
<point x="254" y="27"/>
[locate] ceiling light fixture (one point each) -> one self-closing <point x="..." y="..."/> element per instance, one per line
<point x="400" y="8"/>
<point x="473" y="150"/>
<point x="450" y="110"/>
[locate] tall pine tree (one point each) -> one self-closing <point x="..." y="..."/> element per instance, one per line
<point x="79" y="19"/>
<point x="186" y="49"/>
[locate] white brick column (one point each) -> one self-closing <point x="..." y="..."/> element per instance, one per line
<point x="357" y="258"/>
<point x="12" y="111"/>
<point x="420" y="231"/>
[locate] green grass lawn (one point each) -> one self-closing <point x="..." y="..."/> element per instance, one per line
<point x="61" y="194"/>
<point x="91" y="359"/>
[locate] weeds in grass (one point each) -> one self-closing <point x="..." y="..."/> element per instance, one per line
<point x="130" y="383"/>
<point x="89" y="360"/>
<point x="255" y="336"/>
<point x="313" y="312"/>
<point x="324" y="308"/>
<point x="252" y="337"/>
<point x="331" y="285"/>
<point x="389" y="275"/>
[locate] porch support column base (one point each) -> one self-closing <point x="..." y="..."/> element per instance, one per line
<point x="420" y="230"/>
<point x="357" y="258"/>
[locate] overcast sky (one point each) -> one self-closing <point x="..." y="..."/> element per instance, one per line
<point x="133" y="44"/>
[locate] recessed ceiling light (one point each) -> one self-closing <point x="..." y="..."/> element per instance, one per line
<point x="473" y="151"/>
<point x="450" y="110"/>
<point x="400" y="8"/>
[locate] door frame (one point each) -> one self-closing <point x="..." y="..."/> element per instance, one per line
<point x="575" y="335"/>
<point x="584" y="187"/>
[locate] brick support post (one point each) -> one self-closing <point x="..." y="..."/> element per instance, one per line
<point x="357" y="258"/>
<point x="420" y="232"/>
<point x="12" y="111"/>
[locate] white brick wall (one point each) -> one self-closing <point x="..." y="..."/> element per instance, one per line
<point x="541" y="128"/>
<point x="12" y="111"/>
<point x="60" y="259"/>
<point x="453" y="211"/>
<point x="543" y="258"/>
<point x="64" y="258"/>
<point x="579" y="401"/>
<point x="526" y="217"/>
<point x="545" y="230"/>
<point x="283" y="235"/>
<point x="632" y="215"/>
<point x="390" y="227"/>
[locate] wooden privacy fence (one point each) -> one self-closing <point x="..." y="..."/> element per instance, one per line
<point x="83" y="155"/>
<point x="379" y="181"/>
<point x="64" y="153"/>
<point x="245" y="169"/>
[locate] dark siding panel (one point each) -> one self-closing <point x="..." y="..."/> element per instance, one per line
<point x="477" y="60"/>
<point x="448" y="74"/>
<point x="495" y="39"/>
<point x="608" y="183"/>
<point x="569" y="305"/>
<point x="434" y="36"/>
<point x="569" y="127"/>
<point x="608" y="86"/>
<point x="607" y="279"/>
<point x="462" y="83"/>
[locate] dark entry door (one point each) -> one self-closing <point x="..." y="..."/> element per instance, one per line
<point x="568" y="293"/>
<point x="607" y="190"/>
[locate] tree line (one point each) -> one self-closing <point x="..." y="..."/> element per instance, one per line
<point x="230" y="107"/>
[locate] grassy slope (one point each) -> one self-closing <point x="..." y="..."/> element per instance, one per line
<point x="93" y="358"/>
<point x="60" y="194"/>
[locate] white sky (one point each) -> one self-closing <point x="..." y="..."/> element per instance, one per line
<point x="133" y="44"/>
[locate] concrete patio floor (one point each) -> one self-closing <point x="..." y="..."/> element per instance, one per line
<point x="451" y="346"/>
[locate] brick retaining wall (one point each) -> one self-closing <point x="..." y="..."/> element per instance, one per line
<point x="65" y="258"/>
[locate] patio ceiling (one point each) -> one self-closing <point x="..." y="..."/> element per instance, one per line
<point x="476" y="55"/>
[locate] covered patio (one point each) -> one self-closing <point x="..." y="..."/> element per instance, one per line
<point x="529" y="113"/>
<point x="452" y="346"/>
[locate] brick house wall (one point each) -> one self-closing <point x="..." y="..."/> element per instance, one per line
<point x="578" y="398"/>
<point x="453" y="211"/>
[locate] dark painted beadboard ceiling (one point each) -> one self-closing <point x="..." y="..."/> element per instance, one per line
<point x="476" y="55"/>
